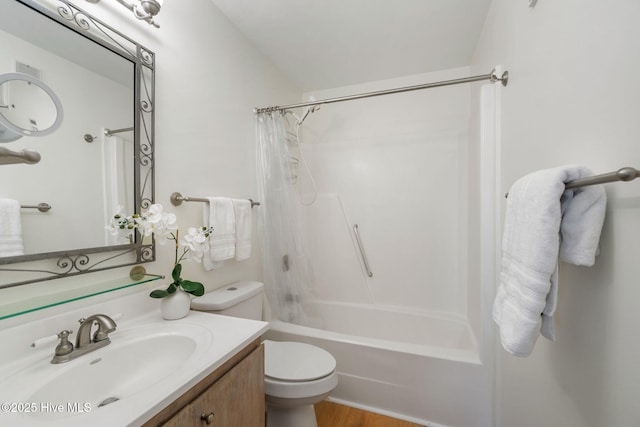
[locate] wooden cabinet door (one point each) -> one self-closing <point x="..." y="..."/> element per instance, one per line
<point x="235" y="400"/>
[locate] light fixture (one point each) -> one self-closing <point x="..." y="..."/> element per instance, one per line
<point x="144" y="10"/>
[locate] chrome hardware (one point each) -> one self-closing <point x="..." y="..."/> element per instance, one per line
<point x="623" y="174"/>
<point x="492" y="77"/>
<point x="362" y="253"/>
<point x="105" y="326"/>
<point x="177" y="198"/>
<point x="64" y="347"/>
<point x="85" y="343"/>
<point x="42" y="207"/>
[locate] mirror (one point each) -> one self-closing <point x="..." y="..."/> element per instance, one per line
<point x="52" y="54"/>
<point x="30" y="107"/>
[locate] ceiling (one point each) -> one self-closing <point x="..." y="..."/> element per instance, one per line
<point x="322" y="44"/>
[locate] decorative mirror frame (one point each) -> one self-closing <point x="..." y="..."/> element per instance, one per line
<point x="88" y="260"/>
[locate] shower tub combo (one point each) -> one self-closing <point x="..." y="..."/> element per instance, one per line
<point x="398" y="247"/>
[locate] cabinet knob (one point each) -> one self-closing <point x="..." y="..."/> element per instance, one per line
<point x="207" y="418"/>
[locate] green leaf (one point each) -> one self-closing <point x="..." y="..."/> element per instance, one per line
<point x="172" y="288"/>
<point x="194" y="288"/>
<point x="158" y="294"/>
<point x="198" y="292"/>
<point x="177" y="269"/>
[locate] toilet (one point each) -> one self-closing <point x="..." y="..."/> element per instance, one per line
<point x="297" y="375"/>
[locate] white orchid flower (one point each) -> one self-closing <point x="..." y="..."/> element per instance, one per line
<point x="165" y="227"/>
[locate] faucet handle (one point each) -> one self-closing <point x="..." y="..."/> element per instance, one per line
<point x="64" y="347"/>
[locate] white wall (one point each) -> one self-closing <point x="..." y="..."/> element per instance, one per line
<point x="573" y="98"/>
<point x="208" y="80"/>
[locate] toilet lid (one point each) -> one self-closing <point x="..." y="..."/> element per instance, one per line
<point x="295" y="361"/>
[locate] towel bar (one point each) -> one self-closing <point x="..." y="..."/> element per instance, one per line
<point x="42" y="207"/>
<point x="623" y="174"/>
<point x="177" y="199"/>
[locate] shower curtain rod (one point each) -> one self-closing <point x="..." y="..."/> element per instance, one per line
<point x="492" y="76"/>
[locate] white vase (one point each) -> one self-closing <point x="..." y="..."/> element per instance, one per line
<point x="176" y="305"/>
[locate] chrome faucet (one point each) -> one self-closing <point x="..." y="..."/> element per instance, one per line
<point x="85" y="343"/>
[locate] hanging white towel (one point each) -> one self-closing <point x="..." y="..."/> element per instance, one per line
<point x="10" y="228"/>
<point x="116" y="179"/>
<point x="242" y="210"/>
<point x="219" y="214"/>
<point x="542" y="222"/>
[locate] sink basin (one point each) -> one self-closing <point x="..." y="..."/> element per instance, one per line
<point x="104" y="377"/>
<point x="138" y="359"/>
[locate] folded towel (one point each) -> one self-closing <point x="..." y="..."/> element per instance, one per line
<point x="542" y="222"/>
<point x="10" y="228"/>
<point x="242" y="210"/>
<point x="219" y="214"/>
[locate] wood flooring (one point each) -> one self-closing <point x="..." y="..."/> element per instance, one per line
<point x="331" y="414"/>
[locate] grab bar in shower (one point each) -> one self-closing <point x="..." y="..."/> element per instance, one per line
<point x="362" y="252"/>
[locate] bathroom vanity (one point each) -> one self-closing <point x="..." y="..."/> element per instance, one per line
<point x="154" y="372"/>
<point x="232" y="395"/>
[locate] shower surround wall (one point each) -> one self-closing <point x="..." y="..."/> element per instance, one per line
<point x="398" y="167"/>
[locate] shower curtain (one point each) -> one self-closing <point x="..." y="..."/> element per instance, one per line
<point x="117" y="178"/>
<point x="285" y="268"/>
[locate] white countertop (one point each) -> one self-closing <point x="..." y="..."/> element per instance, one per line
<point x="227" y="336"/>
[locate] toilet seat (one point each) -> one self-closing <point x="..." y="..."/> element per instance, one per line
<point x="296" y="370"/>
<point x="296" y="361"/>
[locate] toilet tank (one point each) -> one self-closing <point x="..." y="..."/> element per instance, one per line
<point x="238" y="299"/>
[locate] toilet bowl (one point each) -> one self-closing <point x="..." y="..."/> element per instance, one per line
<point x="297" y="375"/>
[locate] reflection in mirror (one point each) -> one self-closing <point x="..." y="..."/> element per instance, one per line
<point x="30" y="107"/>
<point x="27" y="156"/>
<point x="105" y="80"/>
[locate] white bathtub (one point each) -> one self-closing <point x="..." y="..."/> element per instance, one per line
<point x="430" y="375"/>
